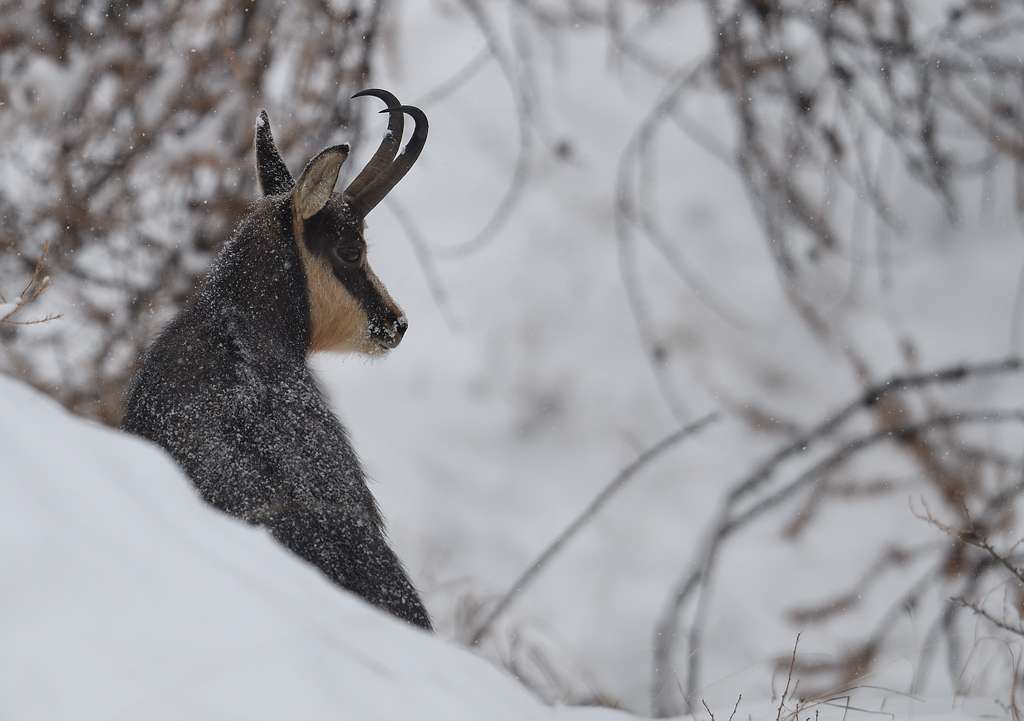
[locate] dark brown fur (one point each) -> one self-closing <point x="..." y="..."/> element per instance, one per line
<point x="226" y="389"/>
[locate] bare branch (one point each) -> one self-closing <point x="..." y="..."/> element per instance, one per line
<point x="36" y="284"/>
<point x="976" y="608"/>
<point x="585" y="516"/>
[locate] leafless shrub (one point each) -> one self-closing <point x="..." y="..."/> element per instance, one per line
<point x="126" y="135"/>
<point x="824" y="92"/>
<point x="830" y="108"/>
<point x="830" y="104"/>
<point x="970" y="479"/>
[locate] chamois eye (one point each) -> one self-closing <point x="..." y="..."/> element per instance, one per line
<point x="350" y="255"/>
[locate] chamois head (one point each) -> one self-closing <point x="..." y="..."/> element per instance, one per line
<point x="350" y="309"/>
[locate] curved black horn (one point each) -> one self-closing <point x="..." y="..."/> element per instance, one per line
<point x="388" y="147"/>
<point x="382" y="185"/>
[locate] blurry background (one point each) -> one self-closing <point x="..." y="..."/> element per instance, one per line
<point x="630" y="214"/>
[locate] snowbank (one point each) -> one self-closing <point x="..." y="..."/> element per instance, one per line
<point x="125" y="597"/>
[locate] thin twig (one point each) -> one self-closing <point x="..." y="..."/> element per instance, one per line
<point x="524" y="117"/>
<point x="735" y="707"/>
<point x="979" y="611"/>
<point x="869" y="397"/>
<point x="710" y="712"/>
<point x="426" y="262"/>
<point x="29" y="293"/>
<point x="462" y="76"/>
<point x="588" y="513"/>
<point x="789" y="679"/>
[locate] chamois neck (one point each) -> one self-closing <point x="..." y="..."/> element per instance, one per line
<point x="258" y="280"/>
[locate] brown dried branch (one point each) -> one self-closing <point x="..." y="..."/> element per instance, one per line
<point x="789" y="680"/>
<point x="36" y="284"/>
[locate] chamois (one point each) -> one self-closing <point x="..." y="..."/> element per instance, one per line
<point x="226" y="389"/>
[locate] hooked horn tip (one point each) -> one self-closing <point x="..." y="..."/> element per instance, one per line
<point x="410" y="109"/>
<point x="385" y="95"/>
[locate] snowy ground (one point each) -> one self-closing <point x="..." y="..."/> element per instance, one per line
<point x="126" y="597"/>
<point x="500" y="416"/>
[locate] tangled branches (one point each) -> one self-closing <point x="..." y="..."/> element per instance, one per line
<point x="814" y="468"/>
<point x="126" y="147"/>
<point x="827" y="108"/>
<point x="824" y="93"/>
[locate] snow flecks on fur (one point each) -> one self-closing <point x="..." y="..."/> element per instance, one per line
<point x="226" y="390"/>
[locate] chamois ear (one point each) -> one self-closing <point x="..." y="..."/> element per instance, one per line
<point x="271" y="171"/>
<point x="316" y="183"/>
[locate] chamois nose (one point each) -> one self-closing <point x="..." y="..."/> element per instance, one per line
<point x="389" y="333"/>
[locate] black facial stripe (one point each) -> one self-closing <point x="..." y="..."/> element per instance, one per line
<point x="359" y="286"/>
<point x="326" y="235"/>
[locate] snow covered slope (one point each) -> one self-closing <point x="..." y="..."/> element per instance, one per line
<point x="125" y="597"/>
